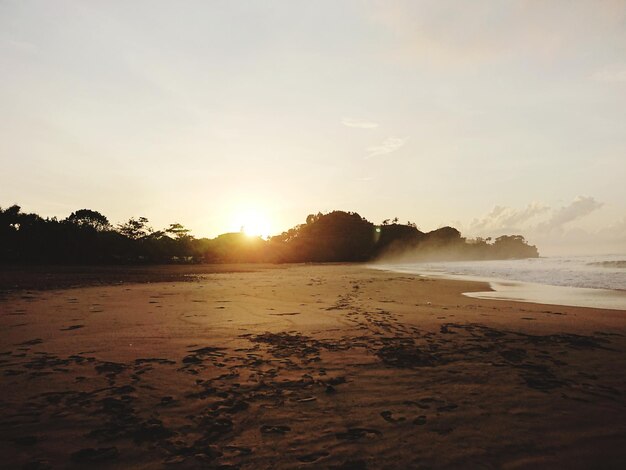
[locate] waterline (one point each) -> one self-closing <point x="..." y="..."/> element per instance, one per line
<point x="572" y="281"/>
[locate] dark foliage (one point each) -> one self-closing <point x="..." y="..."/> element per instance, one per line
<point x="337" y="236"/>
<point x="87" y="237"/>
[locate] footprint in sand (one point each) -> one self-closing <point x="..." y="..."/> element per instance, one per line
<point x="449" y="407"/>
<point x="350" y="465"/>
<point x="420" y="420"/>
<point x="166" y="400"/>
<point x="353" y="434"/>
<point x="31" y="342"/>
<point x="313" y="457"/>
<point x="268" y="429"/>
<point x="72" y="327"/>
<point x="388" y="416"/>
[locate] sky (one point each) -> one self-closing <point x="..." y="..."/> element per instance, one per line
<point x="494" y="117"/>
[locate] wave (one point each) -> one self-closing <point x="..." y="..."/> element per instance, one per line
<point x="597" y="281"/>
<point x="620" y="264"/>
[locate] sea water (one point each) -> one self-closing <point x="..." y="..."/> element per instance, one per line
<point x="586" y="281"/>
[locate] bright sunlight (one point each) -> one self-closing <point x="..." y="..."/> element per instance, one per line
<point x="254" y="223"/>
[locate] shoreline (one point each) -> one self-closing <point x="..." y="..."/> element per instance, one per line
<point x="526" y="292"/>
<point x="308" y="366"/>
<point x="53" y="277"/>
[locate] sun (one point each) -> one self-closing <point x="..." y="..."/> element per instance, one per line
<point x="254" y="224"/>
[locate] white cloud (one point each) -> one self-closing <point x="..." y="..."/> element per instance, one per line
<point x="508" y="218"/>
<point x="580" y="207"/>
<point x="614" y="73"/>
<point x="503" y="219"/>
<point x="389" y="145"/>
<point x="358" y="123"/>
<point x="555" y="230"/>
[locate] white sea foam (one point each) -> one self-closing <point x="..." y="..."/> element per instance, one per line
<point x="586" y="281"/>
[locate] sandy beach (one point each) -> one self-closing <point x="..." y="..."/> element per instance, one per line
<point x="306" y="366"/>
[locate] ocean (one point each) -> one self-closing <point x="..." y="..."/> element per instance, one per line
<point x="586" y="281"/>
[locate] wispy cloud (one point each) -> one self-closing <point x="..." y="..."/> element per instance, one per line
<point x="359" y="123"/>
<point x="508" y="218"/>
<point x="555" y="230"/>
<point x="536" y="218"/>
<point x="389" y="145"/>
<point x="579" y="207"/>
<point x="614" y="73"/>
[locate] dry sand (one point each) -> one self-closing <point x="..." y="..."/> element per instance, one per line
<point x="307" y="367"/>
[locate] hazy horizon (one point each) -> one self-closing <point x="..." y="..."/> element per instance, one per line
<point x="495" y="118"/>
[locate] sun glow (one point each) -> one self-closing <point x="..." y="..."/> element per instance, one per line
<point x="254" y="224"/>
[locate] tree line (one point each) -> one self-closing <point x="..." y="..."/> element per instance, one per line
<point x="87" y="237"/>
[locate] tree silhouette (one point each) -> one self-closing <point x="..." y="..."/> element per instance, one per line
<point x="89" y="218"/>
<point x="86" y="237"/>
<point x="178" y="231"/>
<point x="135" y="228"/>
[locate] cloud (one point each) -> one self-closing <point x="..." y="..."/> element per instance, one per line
<point x="358" y="123"/>
<point x="611" y="74"/>
<point x="553" y="229"/>
<point x="580" y="207"/>
<point x="502" y="219"/>
<point x="508" y="218"/>
<point x="389" y="145"/>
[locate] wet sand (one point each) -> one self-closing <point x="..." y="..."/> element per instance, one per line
<point x="307" y="367"/>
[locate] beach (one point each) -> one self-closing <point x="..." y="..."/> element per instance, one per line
<point x="304" y="366"/>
